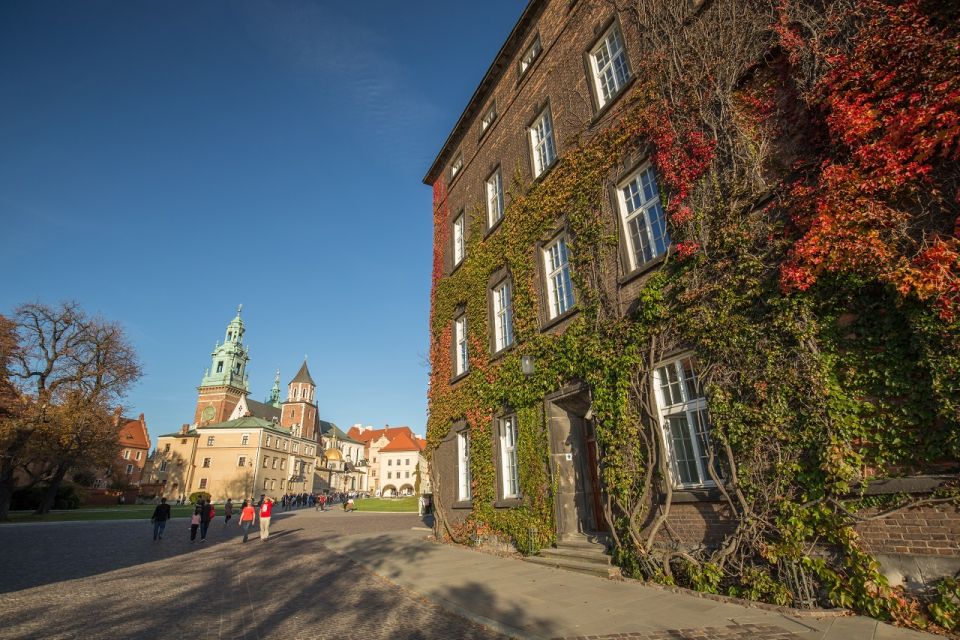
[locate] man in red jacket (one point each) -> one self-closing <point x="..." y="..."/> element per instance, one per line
<point x="266" y="509"/>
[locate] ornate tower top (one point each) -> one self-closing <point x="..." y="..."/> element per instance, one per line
<point x="275" y="392"/>
<point x="302" y="388"/>
<point x="229" y="364"/>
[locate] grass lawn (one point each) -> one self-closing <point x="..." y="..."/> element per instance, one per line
<point x="386" y="504"/>
<point x="126" y="512"/>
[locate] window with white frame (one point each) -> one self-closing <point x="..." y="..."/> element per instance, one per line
<point x="645" y="226"/>
<point x="459" y="239"/>
<point x="682" y="406"/>
<point x="502" y="315"/>
<point x="488" y="117"/>
<point x="463" y="465"/>
<point x="126" y="454"/>
<point x="530" y="55"/>
<point x="541" y="143"/>
<point x="509" y="471"/>
<point x="559" y="286"/>
<point x="494" y="198"/>
<point x="609" y="63"/>
<point x="461" y="361"/>
<point x="139" y="454"/>
<point x="456" y="166"/>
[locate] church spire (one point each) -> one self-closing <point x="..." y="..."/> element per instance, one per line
<point x="275" y="392"/>
<point x="229" y="364"/>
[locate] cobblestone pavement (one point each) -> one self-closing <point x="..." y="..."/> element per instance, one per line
<point x="735" y="632"/>
<point x="110" y="580"/>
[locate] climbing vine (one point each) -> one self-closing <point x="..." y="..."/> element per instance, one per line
<point x="808" y="167"/>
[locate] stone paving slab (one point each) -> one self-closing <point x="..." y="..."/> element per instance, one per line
<point x="524" y="600"/>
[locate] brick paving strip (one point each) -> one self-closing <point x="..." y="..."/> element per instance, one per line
<point x="734" y="632"/>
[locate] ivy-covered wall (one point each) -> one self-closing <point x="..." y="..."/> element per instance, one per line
<point x="808" y="162"/>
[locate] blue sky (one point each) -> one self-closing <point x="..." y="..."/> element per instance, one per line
<point x="162" y="162"/>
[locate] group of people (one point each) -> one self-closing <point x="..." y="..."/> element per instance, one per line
<point x="205" y="512"/>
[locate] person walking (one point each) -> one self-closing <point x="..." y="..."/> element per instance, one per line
<point x="161" y="514"/>
<point x="227" y="511"/>
<point x="266" y="509"/>
<point x="247" y="515"/>
<point x="195" y="523"/>
<point x="323" y="502"/>
<point x="206" y="515"/>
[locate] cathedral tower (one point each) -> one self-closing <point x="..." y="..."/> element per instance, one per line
<point x="300" y="410"/>
<point x="225" y="382"/>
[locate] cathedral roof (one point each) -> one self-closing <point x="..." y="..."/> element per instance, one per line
<point x="303" y="375"/>
<point x="263" y="410"/>
<point x="330" y="430"/>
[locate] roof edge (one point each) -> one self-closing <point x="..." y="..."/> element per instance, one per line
<point x="533" y="6"/>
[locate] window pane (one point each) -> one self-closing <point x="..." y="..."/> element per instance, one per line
<point x="684" y="457"/>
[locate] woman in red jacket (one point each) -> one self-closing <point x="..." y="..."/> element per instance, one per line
<point x="266" y="509"/>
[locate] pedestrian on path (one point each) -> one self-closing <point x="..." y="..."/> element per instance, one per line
<point x="206" y="515"/>
<point x="195" y="523"/>
<point x="227" y="511"/>
<point x="266" y="509"/>
<point x="323" y="502"/>
<point x="247" y="515"/>
<point x="161" y="513"/>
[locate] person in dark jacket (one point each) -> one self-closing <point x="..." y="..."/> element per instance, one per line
<point x="206" y="515"/>
<point x="159" y="519"/>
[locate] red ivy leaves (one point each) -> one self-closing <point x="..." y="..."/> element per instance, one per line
<point x="893" y="117"/>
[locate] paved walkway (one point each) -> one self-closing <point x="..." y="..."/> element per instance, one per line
<point x="523" y="600"/>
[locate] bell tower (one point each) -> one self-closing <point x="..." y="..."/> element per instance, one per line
<point x="225" y="382"/>
<point x="299" y="411"/>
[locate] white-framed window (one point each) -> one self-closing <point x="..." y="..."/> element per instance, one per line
<point x="503" y="315"/>
<point x="206" y="462"/>
<point x="273" y="484"/>
<point x="609" y="63"/>
<point x="245" y="439"/>
<point x="209" y="441"/>
<point x="126" y="454"/>
<point x="129" y="469"/>
<point x="242" y="461"/>
<point x="488" y="117"/>
<point x="530" y="55"/>
<point x="494" y="198"/>
<point x="286" y="444"/>
<point x="461" y="359"/>
<point x="541" y="143"/>
<point x="682" y="406"/>
<point x="296" y="447"/>
<point x="459" y="239"/>
<point x="456" y="166"/>
<point x="275" y="463"/>
<point x="463" y="465"/>
<point x="559" y="286"/>
<point x="644" y="223"/>
<point x="508" y="457"/>
<point x="163" y="465"/>
<point x="139" y="454"/>
<point x="267" y="444"/>
<point x="203" y="483"/>
<point x="283" y="463"/>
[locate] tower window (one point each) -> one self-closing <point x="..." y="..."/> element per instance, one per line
<point x="220" y="367"/>
<point x="229" y="336"/>
<point x="236" y="369"/>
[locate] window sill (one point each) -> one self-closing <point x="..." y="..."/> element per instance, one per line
<point x="457" y="266"/>
<point x="694" y="494"/>
<point x="462" y="504"/>
<point x="646" y="267"/>
<point x="553" y="322"/>
<point x="602" y="111"/>
<point x="507" y="503"/>
<point x="460" y="376"/>
<point x="493" y="227"/>
<point x="496" y="355"/>
<point x="543" y="174"/>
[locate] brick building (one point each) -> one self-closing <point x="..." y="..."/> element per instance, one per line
<point x="133" y="454"/>
<point x="561" y="77"/>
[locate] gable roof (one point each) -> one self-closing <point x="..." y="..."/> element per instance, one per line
<point x="401" y="442"/>
<point x="368" y="436"/>
<point x="263" y="410"/>
<point x="133" y="433"/>
<point x="303" y="375"/>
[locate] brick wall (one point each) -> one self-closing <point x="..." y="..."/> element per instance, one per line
<point x="694" y="523"/>
<point x="931" y="530"/>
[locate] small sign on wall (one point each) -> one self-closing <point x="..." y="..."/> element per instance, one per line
<point x="568" y="456"/>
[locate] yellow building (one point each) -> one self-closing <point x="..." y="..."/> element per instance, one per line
<point x="240" y="448"/>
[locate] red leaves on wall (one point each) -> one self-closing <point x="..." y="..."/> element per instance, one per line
<point x="876" y="204"/>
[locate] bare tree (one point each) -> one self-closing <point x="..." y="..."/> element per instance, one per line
<point x="70" y="369"/>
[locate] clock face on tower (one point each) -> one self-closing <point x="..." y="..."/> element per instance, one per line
<point x="208" y="413"/>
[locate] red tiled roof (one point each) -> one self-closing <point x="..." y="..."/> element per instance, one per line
<point x="402" y="442"/>
<point x="370" y="435"/>
<point x="133" y="433"/>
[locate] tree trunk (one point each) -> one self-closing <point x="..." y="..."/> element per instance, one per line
<point x="51" y="494"/>
<point x="6" y="493"/>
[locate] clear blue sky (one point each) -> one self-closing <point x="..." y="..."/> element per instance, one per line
<point x="162" y="162"/>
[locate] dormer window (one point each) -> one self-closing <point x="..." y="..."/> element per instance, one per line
<point x="530" y="55"/>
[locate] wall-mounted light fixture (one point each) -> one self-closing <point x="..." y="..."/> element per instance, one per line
<point x="527" y="365"/>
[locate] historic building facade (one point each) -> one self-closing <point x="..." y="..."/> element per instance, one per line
<point x="238" y="447"/>
<point x="396" y="461"/>
<point x="513" y="435"/>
